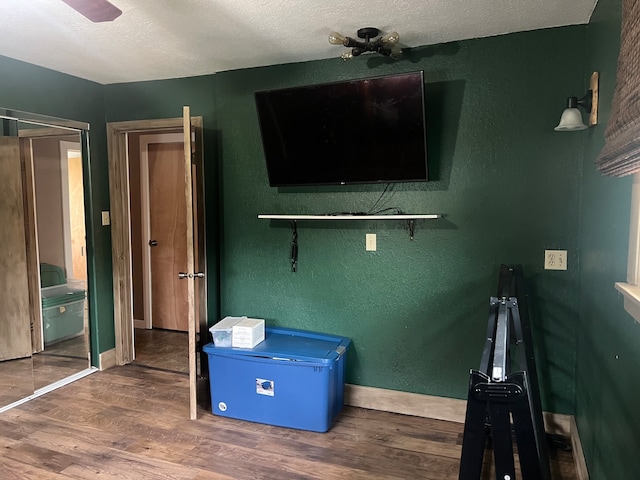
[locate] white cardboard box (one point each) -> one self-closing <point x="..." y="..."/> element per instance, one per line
<point x="247" y="333"/>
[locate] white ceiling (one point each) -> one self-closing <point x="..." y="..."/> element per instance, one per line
<point x="158" y="39"/>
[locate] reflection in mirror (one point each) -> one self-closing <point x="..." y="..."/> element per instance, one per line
<point x="16" y="378"/>
<point x="55" y="193"/>
<point x="44" y="326"/>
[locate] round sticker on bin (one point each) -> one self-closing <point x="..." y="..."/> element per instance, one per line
<point x="222" y="407"/>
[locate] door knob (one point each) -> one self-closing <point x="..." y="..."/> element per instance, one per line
<point x="153" y="243"/>
<point x="182" y="275"/>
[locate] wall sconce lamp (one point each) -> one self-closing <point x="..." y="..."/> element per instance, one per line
<point x="384" y="45"/>
<point x="571" y="119"/>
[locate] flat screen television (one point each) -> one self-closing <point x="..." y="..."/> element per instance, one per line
<point x="359" y="131"/>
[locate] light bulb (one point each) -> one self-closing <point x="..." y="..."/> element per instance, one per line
<point x="390" y="38"/>
<point x="336" y="39"/>
<point x="396" y="53"/>
<point x="346" y="56"/>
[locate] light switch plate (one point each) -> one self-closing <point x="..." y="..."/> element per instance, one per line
<point x="106" y="220"/>
<point x="370" y="243"/>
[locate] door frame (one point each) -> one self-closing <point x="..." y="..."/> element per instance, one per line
<point x="119" y="194"/>
<point x="31" y="243"/>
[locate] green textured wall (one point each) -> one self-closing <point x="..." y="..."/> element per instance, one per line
<point x="416" y="310"/>
<point x="507" y="184"/>
<point x="34" y="89"/>
<point x="608" y="353"/>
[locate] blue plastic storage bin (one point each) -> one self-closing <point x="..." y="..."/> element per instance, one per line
<point x="63" y="311"/>
<point x="292" y="379"/>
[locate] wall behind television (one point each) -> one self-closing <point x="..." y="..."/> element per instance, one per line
<point x="507" y="185"/>
<point x="416" y="311"/>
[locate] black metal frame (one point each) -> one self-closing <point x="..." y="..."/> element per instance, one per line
<point x="294" y="246"/>
<point x="497" y="396"/>
<point x="369" y="45"/>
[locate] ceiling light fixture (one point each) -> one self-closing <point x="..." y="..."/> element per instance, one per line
<point x="571" y="119"/>
<point x="384" y="45"/>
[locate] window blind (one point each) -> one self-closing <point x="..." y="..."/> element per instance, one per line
<point x="621" y="153"/>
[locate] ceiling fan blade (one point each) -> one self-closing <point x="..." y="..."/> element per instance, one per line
<point x="95" y="10"/>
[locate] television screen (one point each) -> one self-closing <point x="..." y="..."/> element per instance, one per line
<point x="360" y="131"/>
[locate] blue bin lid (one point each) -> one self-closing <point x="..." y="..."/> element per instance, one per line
<point x="290" y="344"/>
<point x="60" y="295"/>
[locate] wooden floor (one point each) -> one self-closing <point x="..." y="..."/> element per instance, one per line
<point x="21" y="377"/>
<point x="131" y="422"/>
<point x="16" y="380"/>
<point x="162" y="349"/>
<point x="59" y="361"/>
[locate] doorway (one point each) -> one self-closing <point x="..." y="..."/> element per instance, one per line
<point x="73" y="216"/>
<point x="156" y="173"/>
<point x="193" y="272"/>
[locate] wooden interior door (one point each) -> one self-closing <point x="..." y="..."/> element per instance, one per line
<point x="191" y="273"/>
<point x="168" y="239"/>
<point x="15" y="328"/>
<point x="75" y="187"/>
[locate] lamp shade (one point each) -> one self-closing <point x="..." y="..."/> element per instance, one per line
<point x="571" y="120"/>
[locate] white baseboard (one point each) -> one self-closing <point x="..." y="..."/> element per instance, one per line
<point x="107" y="359"/>
<point x="452" y="410"/>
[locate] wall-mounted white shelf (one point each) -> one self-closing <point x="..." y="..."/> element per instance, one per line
<point x="293" y="219"/>
<point x="349" y="217"/>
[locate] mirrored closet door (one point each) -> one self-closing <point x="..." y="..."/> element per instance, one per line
<point x="44" y="324"/>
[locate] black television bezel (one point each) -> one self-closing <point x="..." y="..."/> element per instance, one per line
<point x="419" y="73"/>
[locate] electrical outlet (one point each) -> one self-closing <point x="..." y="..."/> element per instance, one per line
<point x="105" y="218"/>
<point x="555" y="259"/>
<point x="370" y="243"/>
